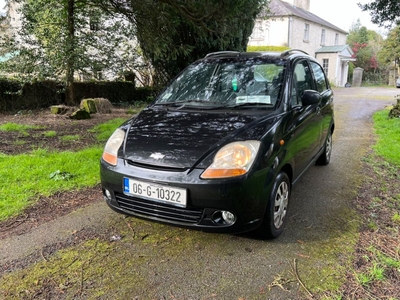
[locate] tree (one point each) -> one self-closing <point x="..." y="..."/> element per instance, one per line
<point x="174" y="33"/>
<point x="64" y="38"/>
<point x="391" y="48"/>
<point x="358" y="34"/>
<point x="365" y="45"/>
<point x="383" y="12"/>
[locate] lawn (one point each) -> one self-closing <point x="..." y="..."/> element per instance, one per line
<point x="375" y="272"/>
<point x="388" y="131"/>
<point x="41" y="172"/>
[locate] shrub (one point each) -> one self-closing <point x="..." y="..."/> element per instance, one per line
<point x="267" y="48"/>
<point x="16" y="95"/>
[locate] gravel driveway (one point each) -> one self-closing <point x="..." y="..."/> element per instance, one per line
<point x="163" y="262"/>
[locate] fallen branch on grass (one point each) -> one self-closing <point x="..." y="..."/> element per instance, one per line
<point x="294" y="269"/>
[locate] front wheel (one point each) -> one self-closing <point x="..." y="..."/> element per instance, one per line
<point x="325" y="157"/>
<point x="275" y="215"/>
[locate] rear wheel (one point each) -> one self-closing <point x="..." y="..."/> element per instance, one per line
<point x="275" y="215"/>
<point x="325" y="157"/>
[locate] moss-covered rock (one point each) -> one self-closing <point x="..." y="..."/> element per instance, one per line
<point x="89" y="105"/>
<point x="103" y="105"/>
<point x="80" y="114"/>
<point x="96" y="105"/>
<point x="58" y="109"/>
<point x="395" y="111"/>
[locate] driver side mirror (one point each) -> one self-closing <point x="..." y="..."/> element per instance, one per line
<point x="310" y="97"/>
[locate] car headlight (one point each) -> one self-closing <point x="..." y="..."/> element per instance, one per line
<point x="115" y="141"/>
<point x="232" y="160"/>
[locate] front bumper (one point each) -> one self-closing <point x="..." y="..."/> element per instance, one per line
<point x="246" y="197"/>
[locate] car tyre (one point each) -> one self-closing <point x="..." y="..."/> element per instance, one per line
<point x="276" y="213"/>
<point x="325" y="157"/>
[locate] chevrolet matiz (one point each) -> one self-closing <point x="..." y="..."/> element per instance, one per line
<point x="222" y="145"/>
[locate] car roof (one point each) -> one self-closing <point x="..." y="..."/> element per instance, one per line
<point x="243" y="55"/>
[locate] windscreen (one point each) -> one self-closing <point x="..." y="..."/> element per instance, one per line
<point x="227" y="84"/>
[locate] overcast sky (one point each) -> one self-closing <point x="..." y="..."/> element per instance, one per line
<point x="341" y="13"/>
<point x="2" y="4"/>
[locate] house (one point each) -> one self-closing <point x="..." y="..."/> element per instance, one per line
<point x="290" y="23"/>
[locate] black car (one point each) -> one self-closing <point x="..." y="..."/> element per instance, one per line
<point x="220" y="148"/>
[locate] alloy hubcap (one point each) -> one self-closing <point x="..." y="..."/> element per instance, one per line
<point x="281" y="203"/>
<point x="328" y="147"/>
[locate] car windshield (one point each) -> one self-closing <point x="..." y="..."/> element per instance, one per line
<point x="211" y="84"/>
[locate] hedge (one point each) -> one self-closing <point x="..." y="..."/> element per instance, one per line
<point x="15" y="95"/>
<point x="116" y="92"/>
<point x="267" y="48"/>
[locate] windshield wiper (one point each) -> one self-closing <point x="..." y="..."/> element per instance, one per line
<point x="192" y="104"/>
<point x="197" y="101"/>
<point x="167" y="104"/>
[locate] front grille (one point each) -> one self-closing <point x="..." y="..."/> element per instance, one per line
<point x="159" y="210"/>
<point x="158" y="167"/>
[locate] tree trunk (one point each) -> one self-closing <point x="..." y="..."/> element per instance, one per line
<point x="70" y="90"/>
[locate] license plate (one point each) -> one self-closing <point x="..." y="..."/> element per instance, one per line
<point x="156" y="192"/>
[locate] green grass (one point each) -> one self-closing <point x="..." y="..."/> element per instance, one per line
<point x="70" y="138"/>
<point x="50" y="133"/>
<point x="380" y="263"/>
<point x="396" y="218"/>
<point x="18" y="127"/>
<point x="26" y="177"/>
<point x="19" y="143"/>
<point x="103" y="130"/>
<point x="388" y="131"/>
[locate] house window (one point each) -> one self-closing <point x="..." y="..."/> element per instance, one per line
<point x="336" y="39"/>
<point x="306" y="32"/>
<point x="257" y="31"/>
<point x="325" y="65"/>
<point x="323" y="37"/>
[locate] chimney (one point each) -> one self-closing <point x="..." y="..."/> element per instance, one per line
<point x="304" y="4"/>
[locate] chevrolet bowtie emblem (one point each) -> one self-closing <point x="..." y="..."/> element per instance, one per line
<point x="157" y="155"/>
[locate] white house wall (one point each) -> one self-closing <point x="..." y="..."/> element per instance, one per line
<point x="333" y="66"/>
<point x="275" y="32"/>
<point x="297" y="35"/>
<point x="272" y="32"/>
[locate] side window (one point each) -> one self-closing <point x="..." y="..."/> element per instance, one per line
<point x="319" y="77"/>
<point x="301" y="81"/>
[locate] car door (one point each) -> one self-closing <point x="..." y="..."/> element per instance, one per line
<point x="323" y="87"/>
<point x="306" y="121"/>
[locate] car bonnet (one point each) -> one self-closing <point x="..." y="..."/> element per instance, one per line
<point x="179" y="139"/>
